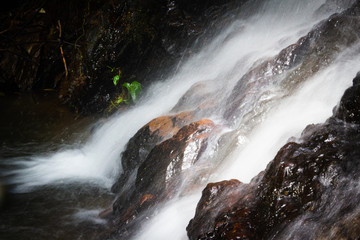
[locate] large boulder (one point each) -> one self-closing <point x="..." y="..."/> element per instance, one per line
<point x="307" y="182"/>
<point x="146" y="138"/>
<point x="158" y="176"/>
<point x="168" y="160"/>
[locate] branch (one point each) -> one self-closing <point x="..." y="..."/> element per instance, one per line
<point x="61" y="51"/>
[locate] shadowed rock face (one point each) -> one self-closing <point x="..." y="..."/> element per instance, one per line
<point x="168" y="159"/>
<point x="349" y="109"/>
<point x="140" y="145"/>
<point x="143" y="38"/>
<point x="157" y="174"/>
<point x="217" y="198"/>
<point x="302" y="181"/>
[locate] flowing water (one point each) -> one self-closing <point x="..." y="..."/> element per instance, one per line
<point x="59" y="195"/>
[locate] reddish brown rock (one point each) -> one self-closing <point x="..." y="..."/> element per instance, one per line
<point x="168" y="159"/>
<point x="215" y="198"/>
<point x="140" y="145"/>
<point x="158" y="176"/>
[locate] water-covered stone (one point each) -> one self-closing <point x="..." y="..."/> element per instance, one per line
<point x="140" y="145"/>
<point x="158" y="175"/>
<point x="294" y="64"/>
<point x="300" y="183"/>
<point x="173" y="156"/>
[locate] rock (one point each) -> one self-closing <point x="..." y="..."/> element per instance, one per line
<point x="140" y="145"/>
<point x="215" y="197"/>
<point x="142" y="38"/>
<point x="304" y="181"/>
<point x="294" y="64"/>
<point x="158" y="176"/>
<point x="169" y="159"/>
<point x="349" y="108"/>
<point x="201" y="96"/>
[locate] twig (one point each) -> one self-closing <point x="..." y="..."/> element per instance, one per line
<point x="61" y="51"/>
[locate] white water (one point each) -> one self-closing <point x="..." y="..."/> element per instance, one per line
<point x="230" y="54"/>
<point x="313" y="102"/>
<point x="277" y="25"/>
<point x="322" y="93"/>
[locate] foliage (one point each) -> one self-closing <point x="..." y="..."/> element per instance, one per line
<point x="130" y="91"/>
<point x="116" y="78"/>
<point x="134" y="89"/>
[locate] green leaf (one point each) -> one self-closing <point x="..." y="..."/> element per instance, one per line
<point x="116" y="79"/>
<point x="119" y="100"/>
<point x="134" y="90"/>
<point x="127" y="85"/>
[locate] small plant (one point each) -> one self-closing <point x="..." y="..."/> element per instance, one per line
<point x="134" y="89"/>
<point x="116" y="78"/>
<point x="130" y="91"/>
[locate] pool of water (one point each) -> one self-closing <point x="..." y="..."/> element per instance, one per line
<point x="35" y="124"/>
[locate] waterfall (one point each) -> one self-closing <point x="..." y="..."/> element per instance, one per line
<point x="242" y="45"/>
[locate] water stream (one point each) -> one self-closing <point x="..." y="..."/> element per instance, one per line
<point x="74" y="182"/>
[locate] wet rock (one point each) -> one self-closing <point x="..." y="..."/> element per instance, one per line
<point x="142" y="38"/>
<point x="215" y="197"/>
<point x="140" y="145"/>
<point x="331" y="5"/>
<point x="305" y="180"/>
<point x="349" y="109"/>
<point x="169" y="159"/>
<point x="158" y="176"/>
<point x="201" y="95"/>
<point x="294" y="64"/>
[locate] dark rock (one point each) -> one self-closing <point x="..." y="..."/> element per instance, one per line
<point x="169" y="159"/>
<point x="30" y="41"/>
<point x="349" y="108"/>
<point x="142" y="38"/>
<point x="140" y="145"/>
<point x="302" y="182"/>
<point x="215" y="197"/>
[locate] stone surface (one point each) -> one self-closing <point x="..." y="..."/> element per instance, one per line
<point x="158" y="176"/>
<point x="170" y="158"/>
<point x="314" y="178"/>
<point x="349" y="109"/>
<point x="142" y="38"/>
<point x="294" y="64"/>
<point x="140" y="145"/>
